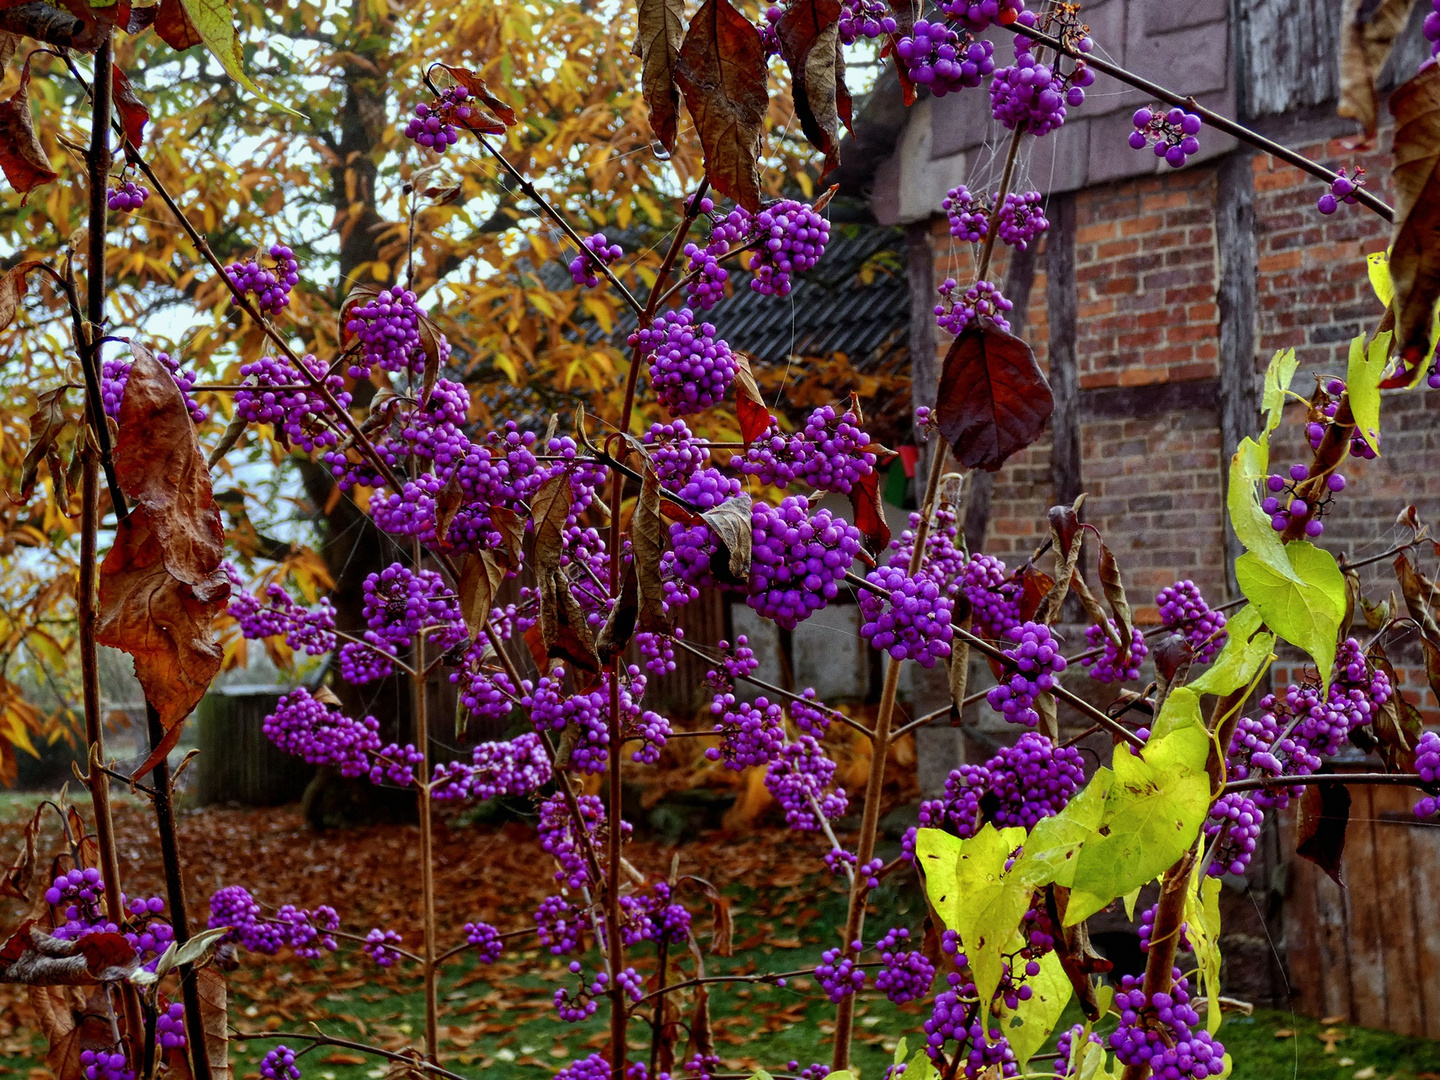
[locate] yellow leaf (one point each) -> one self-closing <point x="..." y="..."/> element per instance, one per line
<point x="599" y="312"/>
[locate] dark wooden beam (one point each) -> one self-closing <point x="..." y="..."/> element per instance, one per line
<point x="1060" y="301"/>
<point x="1239" y="392"/>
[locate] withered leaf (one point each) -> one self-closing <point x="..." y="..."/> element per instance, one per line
<point x="22" y="158"/>
<point x="548" y="511"/>
<point x="488" y="114"/>
<point x="1417" y="592"/>
<point x="959" y="660"/>
<point x="730" y="522"/>
<point x="647" y="540"/>
<point x="722" y="938"/>
<point x="620" y="625"/>
<point x="993" y="399"/>
<point x="1065" y="536"/>
<point x="46" y="423"/>
<point x="480" y="577"/>
<point x="210" y="985"/>
<point x="1115" y="594"/>
<point x="721" y="69"/>
<point x="159" y="464"/>
<point x="565" y="631"/>
<point x="1368" y="30"/>
<point x="1415" y="245"/>
<point x="12" y="288"/>
<point x="90" y="1029"/>
<point x="662" y="29"/>
<point x="53" y="25"/>
<point x="1320" y="827"/>
<point x="165" y="624"/>
<point x="511" y="527"/>
<point x="20" y="876"/>
<point x="809" y="32"/>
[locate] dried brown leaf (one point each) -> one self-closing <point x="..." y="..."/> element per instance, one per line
<point x="1320" y="827"/>
<point x="46" y="424"/>
<point x="662" y="30"/>
<point x="809" y="34"/>
<point x="1115" y="595"/>
<point x="721" y="70"/>
<point x="480" y="577"/>
<point x="22" y="158"/>
<point x="993" y="399"/>
<point x="548" y="511"/>
<point x="730" y="522"/>
<point x="174" y="26"/>
<point x="1368" y="30"/>
<point x="647" y="540"/>
<point x="133" y="114"/>
<point x="21" y="875"/>
<point x="12" y="288"/>
<point x="1415" y="245"/>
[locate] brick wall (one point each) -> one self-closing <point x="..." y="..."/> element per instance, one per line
<point x="1146" y="267"/>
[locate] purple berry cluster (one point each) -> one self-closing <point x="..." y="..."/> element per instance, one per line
<point x="1160" y="1031"/>
<point x="1033" y="95"/>
<point x="433" y="125"/>
<point x="1038" y="660"/>
<point x="115" y="374"/>
<point x="582" y="266"/>
<point x="840" y="975"/>
<point x="968" y="214"/>
<point x="799" y="774"/>
<point x="1183" y="609"/>
<point x="486" y="941"/>
<point x="977" y="16"/>
<point x="271" y="285"/>
<point x="789" y="239"/>
<point x="1022" y="218"/>
<point x="708" y="285"/>
<point x="380" y="946"/>
<point x="170" y="1026"/>
<point x="994" y="597"/>
<point x="955" y="312"/>
<point x="1146" y="930"/>
<point x="1284" y="504"/>
<point x="1431" y="27"/>
<point x="864" y="18"/>
<point x="1032" y="780"/>
<point x="1236" y="821"/>
<point x="279" y="1064"/>
<point x="320" y="735"/>
<point x="105" y="1065"/>
<point x="300" y="417"/>
<point x="939" y="58"/>
<point x="1427" y="764"/>
<point x="310" y="631"/>
<point x="1321" y="418"/>
<point x="797" y="560"/>
<point x="388" y="328"/>
<point x="831" y="453"/>
<point x="751" y="733"/>
<point x="123" y="198"/>
<point x="1173" y="134"/>
<point x="690" y="368"/>
<point x="913" y="621"/>
<point x="305" y="931"/>
<point x="907" y="973"/>
<point x="516" y="767"/>
<point x="1342" y="190"/>
<point x="1109" y="666"/>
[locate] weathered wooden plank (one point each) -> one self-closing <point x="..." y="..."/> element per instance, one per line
<point x="1367" y="948"/>
<point x="1239" y="398"/>
<point x="1061" y="302"/>
<point x="1425" y="897"/>
<point x="1301" y="930"/>
<point x="1286" y="54"/>
<point x="1403" y="1004"/>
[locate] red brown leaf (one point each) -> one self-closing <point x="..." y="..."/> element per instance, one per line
<point x="47" y="422"/>
<point x="22" y="158"/>
<point x="12" y="288"/>
<point x="809" y="33"/>
<point x="133" y="115"/>
<point x="869" y="511"/>
<point x="721" y="70"/>
<point x="993" y="399"/>
<point x="158" y="463"/>
<point x="174" y="26"/>
<point x="750" y="408"/>
<point x="91" y="1029"/>
<point x="1320" y="827"/>
<point x="1368" y="30"/>
<point x="213" y="993"/>
<point x="662" y="29"/>
<point x="1415" y="246"/>
<point x="21" y="875"/>
<point x="165" y="624"/>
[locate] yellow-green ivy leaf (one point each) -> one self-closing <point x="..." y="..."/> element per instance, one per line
<point x="1278" y="377"/>
<point x="989" y="901"/>
<point x="215" y="23"/>
<point x="1153" y="813"/>
<point x="1248" y="469"/>
<point x="1362" y="378"/>
<point x="935" y="855"/>
<point x="1305" y="606"/>
<point x="1202" y="916"/>
<point x="1377" y="265"/>
<point x="1246" y="650"/>
<point x="1027" y="1027"/>
<point x="1130" y="899"/>
<point x="1054" y="844"/>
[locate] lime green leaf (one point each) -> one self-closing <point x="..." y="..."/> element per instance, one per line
<point x="1202" y="914"/>
<point x="215" y="23"/>
<point x="1246" y="650"/>
<point x="1277" y="383"/>
<point x="936" y="853"/>
<point x="1248" y="469"/>
<point x="1054" y="843"/>
<point x="1089" y="1061"/>
<point x="1305" y="606"/>
<point x="921" y="1067"/>
<point x="1130" y="899"/>
<point x="1154" y="810"/>
<point x="901" y="1049"/>
<point x="1028" y="1026"/>
<point x="1378" y="266"/>
<point x="1362" y="379"/>
<point x="991" y="901"/>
